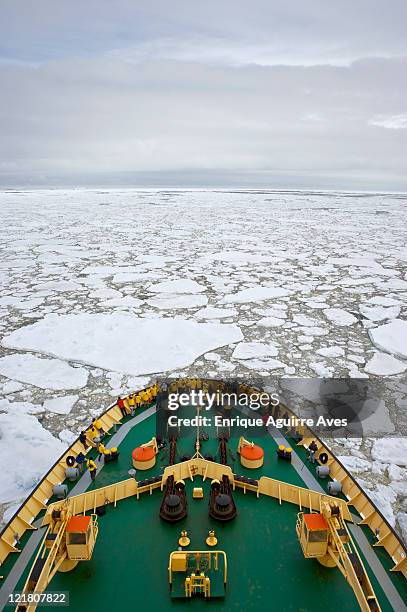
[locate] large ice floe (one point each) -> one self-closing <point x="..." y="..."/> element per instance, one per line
<point x="122" y="342"/>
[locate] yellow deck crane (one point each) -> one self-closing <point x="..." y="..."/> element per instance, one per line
<point x="324" y="536"/>
<point x="68" y="540"/>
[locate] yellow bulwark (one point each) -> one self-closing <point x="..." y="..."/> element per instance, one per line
<point x="282" y="491"/>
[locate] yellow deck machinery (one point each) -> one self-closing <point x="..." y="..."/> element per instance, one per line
<point x="68" y="540"/>
<point x="324" y="536"/>
<point x="197" y="572"/>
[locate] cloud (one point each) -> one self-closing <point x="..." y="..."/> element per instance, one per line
<point x="231" y="31"/>
<point x="392" y="122"/>
<point x="96" y="89"/>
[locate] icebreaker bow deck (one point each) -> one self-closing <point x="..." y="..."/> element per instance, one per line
<point x="245" y="522"/>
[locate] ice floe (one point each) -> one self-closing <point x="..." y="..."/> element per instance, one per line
<point x="321" y="369"/>
<point x="355" y="464"/>
<point x="58" y="286"/>
<point x="390" y="450"/>
<point x="339" y="316"/>
<point x="16" y="407"/>
<point x="43" y="373"/>
<point x="264" y="365"/>
<point x="254" y="294"/>
<point x="174" y="302"/>
<point x="384" y="497"/>
<point x="28" y="450"/>
<point x="391" y="337"/>
<point x="383" y="364"/>
<point x="61" y="405"/>
<point x="178" y="286"/>
<point x="135" y="383"/>
<point x="127" y="301"/>
<point x="395" y="472"/>
<point x="304" y="320"/>
<point x="215" y="313"/>
<point x="123" y="342"/>
<point x="271" y="322"/>
<point x="331" y="351"/>
<point x="122" y="278"/>
<point x="249" y="350"/>
<point x="12" y="387"/>
<point x="379" y="313"/>
<point x="378" y="300"/>
<point x="106" y="293"/>
<point x="67" y="436"/>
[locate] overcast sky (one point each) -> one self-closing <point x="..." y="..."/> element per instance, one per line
<point x="287" y="93"/>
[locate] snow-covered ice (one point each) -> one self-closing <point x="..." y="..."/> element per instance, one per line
<point x="340" y="316"/>
<point x="355" y="464"/>
<point x="215" y="313"/>
<point x="383" y="364"/>
<point x="379" y="313"/>
<point x="16" y="407"/>
<point x="12" y="386"/>
<point x="28" y="450"/>
<point x="254" y="294"/>
<point x="264" y="365"/>
<point x="391" y="337"/>
<point x="270" y="322"/>
<point x="249" y="350"/>
<point x="384" y="497"/>
<point x="67" y="436"/>
<point x="178" y="286"/>
<point x="390" y="450"/>
<point x="127" y="301"/>
<point x="331" y="351"/>
<point x="61" y="405"/>
<point x="175" y="302"/>
<point x="122" y="342"/>
<point x="44" y="373"/>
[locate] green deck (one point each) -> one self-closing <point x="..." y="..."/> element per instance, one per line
<point x="266" y="567"/>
